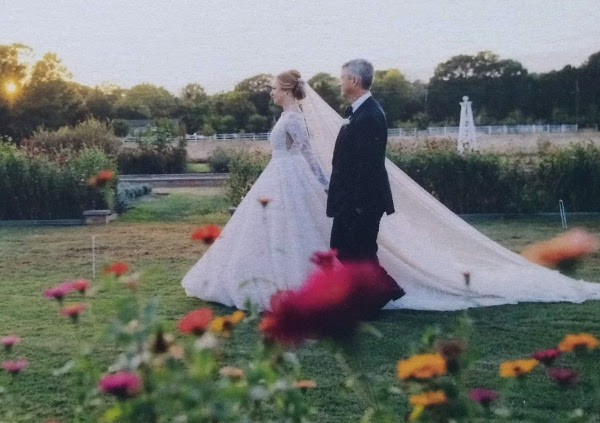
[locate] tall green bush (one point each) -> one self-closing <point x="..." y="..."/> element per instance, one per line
<point x="36" y="187"/>
<point x="245" y="168"/>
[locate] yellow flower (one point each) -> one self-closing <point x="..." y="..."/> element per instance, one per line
<point x="225" y="324"/>
<point x="579" y="340"/>
<point x="428" y="398"/>
<point x="517" y="367"/>
<point x="237" y="316"/>
<point x="422" y="366"/>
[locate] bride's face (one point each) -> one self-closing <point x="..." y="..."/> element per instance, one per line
<point x="278" y="94"/>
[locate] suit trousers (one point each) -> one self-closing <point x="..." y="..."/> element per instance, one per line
<point x="354" y="235"/>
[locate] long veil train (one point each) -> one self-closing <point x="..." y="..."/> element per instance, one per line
<point x="427" y="248"/>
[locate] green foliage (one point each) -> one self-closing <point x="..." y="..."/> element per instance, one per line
<point x="219" y="160"/>
<point x="245" y="168"/>
<point x="487" y="183"/>
<point x="127" y="193"/>
<point x="35" y="187"/>
<point x="87" y="134"/>
<point x="120" y="127"/>
<point x="571" y="175"/>
<point x="149" y="160"/>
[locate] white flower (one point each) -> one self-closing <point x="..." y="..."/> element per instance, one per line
<point x="345" y="121"/>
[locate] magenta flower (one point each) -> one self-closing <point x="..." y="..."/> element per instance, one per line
<point x="548" y="356"/>
<point x="59" y="292"/>
<point x="483" y="396"/>
<point x="121" y="384"/>
<point x="564" y="377"/>
<point x="9" y="341"/>
<point x="15" y="366"/>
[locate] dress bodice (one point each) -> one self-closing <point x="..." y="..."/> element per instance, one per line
<point x="290" y="137"/>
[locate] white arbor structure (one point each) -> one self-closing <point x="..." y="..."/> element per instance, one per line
<point x="466" y="129"/>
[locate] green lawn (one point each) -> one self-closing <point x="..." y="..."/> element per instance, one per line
<point x="155" y="237"/>
<point x="197" y="167"/>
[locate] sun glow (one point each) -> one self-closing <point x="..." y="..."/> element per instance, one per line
<point x="11" y="87"/>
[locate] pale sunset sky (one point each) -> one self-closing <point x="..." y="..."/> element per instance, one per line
<point x="217" y="43"/>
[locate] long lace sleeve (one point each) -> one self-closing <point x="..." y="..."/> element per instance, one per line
<point x="296" y="128"/>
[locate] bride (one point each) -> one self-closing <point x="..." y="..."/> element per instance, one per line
<point x="429" y="250"/>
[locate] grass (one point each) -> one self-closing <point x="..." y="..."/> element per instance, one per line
<point x="155" y="237"/>
<point x="197" y="167"/>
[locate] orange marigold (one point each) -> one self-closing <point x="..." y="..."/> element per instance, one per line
<point x="569" y="245"/>
<point x="517" y="368"/>
<point x="428" y="398"/>
<point x="579" y="340"/>
<point x="422" y="366"/>
<point x="207" y="234"/>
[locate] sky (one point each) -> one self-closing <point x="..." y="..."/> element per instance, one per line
<point x="218" y="43"/>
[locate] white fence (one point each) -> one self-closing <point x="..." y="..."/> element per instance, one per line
<point x="400" y="132"/>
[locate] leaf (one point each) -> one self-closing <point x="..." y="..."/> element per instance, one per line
<point x="112" y="414"/>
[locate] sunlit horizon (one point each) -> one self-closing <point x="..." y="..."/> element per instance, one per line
<point x="219" y="43"/>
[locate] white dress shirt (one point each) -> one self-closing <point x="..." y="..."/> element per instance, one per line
<point x="360" y="100"/>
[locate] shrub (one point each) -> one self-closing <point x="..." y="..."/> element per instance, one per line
<point x="219" y="160"/>
<point x="148" y="160"/>
<point x="91" y="133"/>
<point x="571" y="174"/>
<point x="35" y="187"/>
<point x="120" y="127"/>
<point x="127" y="193"/>
<point x="245" y="168"/>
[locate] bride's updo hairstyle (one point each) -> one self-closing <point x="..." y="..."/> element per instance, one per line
<point x="290" y="80"/>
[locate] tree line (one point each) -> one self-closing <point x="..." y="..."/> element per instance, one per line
<point x="502" y="91"/>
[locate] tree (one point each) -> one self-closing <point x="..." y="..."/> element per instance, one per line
<point x="194" y="107"/>
<point x="328" y="88"/>
<point x="48" y="69"/>
<point x="234" y="104"/>
<point x="146" y="101"/>
<point x="12" y="75"/>
<point x="500" y="86"/>
<point x="258" y="90"/>
<point x="394" y="92"/>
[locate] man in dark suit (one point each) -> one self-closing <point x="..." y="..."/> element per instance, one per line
<point x="359" y="189"/>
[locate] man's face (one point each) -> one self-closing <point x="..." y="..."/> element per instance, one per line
<point x="348" y="83"/>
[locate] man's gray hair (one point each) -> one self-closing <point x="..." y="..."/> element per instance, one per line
<point x="363" y="70"/>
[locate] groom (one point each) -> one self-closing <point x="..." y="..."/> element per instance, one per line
<point x="359" y="190"/>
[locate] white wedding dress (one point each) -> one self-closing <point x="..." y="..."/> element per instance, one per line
<point x="424" y="246"/>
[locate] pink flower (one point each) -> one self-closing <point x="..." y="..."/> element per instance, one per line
<point x="81" y="285"/>
<point x="324" y="259"/>
<point x="15" y="366"/>
<point x="73" y="310"/>
<point x="564" y="377"/>
<point x="483" y="396"/>
<point x="59" y="292"/>
<point x="121" y="384"/>
<point x="9" y="341"/>
<point x="329" y="304"/>
<point x="547" y="356"/>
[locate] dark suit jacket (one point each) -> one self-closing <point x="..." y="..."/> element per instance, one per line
<point x="358" y="178"/>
